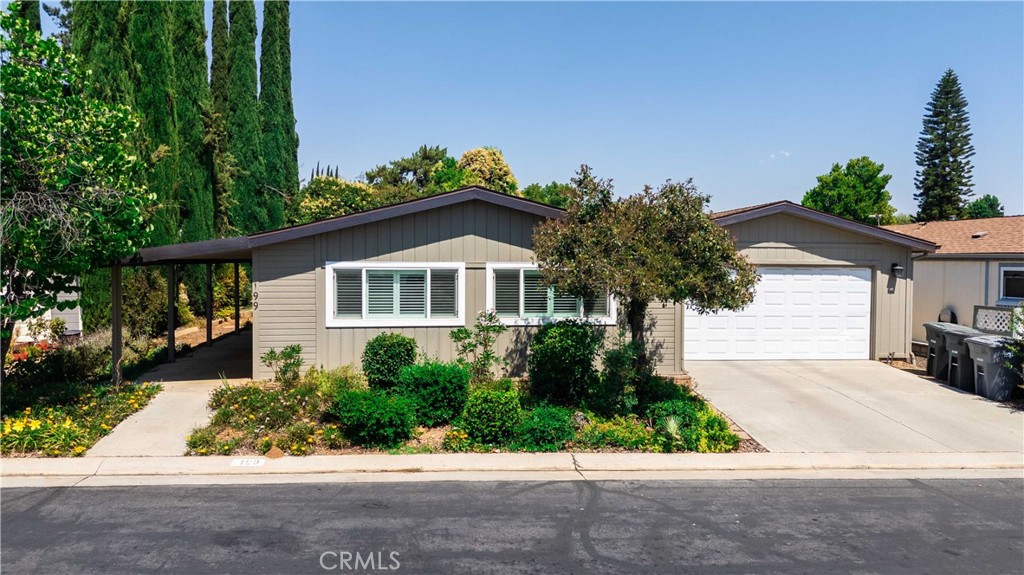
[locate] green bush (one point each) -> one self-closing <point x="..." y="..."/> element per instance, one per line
<point x="545" y="428"/>
<point x="476" y="346"/>
<point x="299" y="439"/>
<point x="491" y="416"/>
<point x="651" y="389"/>
<point x="331" y="382"/>
<point x="618" y="432"/>
<point x="561" y="362"/>
<point x="439" y="389"/>
<point x="202" y="441"/>
<point x="691" y="425"/>
<point x="384" y="357"/>
<point x="286" y="363"/>
<point x="615" y="392"/>
<point x="374" y="418"/>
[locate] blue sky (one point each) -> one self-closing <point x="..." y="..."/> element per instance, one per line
<point x="752" y="100"/>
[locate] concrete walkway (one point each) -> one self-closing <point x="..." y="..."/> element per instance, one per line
<point x="161" y="427"/>
<point x="854" y="407"/>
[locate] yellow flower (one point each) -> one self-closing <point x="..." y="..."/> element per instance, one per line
<point x="34" y="424"/>
<point x="79" y="449"/>
<point x="19" y="425"/>
<point x="67" y="423"/>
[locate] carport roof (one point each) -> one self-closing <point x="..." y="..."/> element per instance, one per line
<point x="738" y="215"/>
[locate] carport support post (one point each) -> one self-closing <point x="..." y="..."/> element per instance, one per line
<point x="115" y="325"/>
<point x="172" y="309"/>
<point x="209" y="304"/>
<point x="237" y="306"/>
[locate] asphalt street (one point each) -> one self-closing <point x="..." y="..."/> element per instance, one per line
<point x="741" y="526"/>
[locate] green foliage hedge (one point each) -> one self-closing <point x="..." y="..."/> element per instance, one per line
<point x="491" y="416"/>
<point x="374" y="418"/>
<point x="384" y="357"/>
<point x="440" y="390"/>
<point x="546" y="428"/>
<point x="561" y="362"/>
<point x="691" y="425"/>
<point x="618" y="432"/>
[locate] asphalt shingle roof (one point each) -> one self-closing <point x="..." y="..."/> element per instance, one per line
<point x="982" y="236"/>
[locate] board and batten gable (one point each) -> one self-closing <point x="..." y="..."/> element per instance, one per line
<point x="787" y="240"/>
<point x="291" y="281"/>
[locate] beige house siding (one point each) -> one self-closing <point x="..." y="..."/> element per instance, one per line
<point x="291" y="281"/>
<point x="784" y="239"/>
<point x="959" y="284"/>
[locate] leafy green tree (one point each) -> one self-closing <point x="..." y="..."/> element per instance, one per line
<point x="855" y="192"/>
<point x="944" y="150"/>
<point x="490" y="168"/>
<point x="29" y="10"/>
<point x="986" y="206"/>
<point x="252" y="212"/>
<point x="449" y="176"/>
<point x="277" y="118"/>
<point x="327" y="197"/>
<point x="195" y="157"/>
<point x="70" y="180"/>
<point x="658" y="245"/>
<point x="553" y="194"/>
<point x="149" y="34"/>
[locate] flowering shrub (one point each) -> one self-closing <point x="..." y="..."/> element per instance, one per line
<point x="69" y="430"/>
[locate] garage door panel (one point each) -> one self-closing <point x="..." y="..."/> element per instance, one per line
<point x="797" y="313"/>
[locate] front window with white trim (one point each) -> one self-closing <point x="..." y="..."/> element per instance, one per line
<point x="395" y="294"/>
<point x="515" y="292"/>
<point x="1011" y="284"/>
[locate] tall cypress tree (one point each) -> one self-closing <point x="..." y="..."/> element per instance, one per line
<point x="944" y="150"/>
<point x="249" y="213"/>
<point x="150" y="39"/>
<point x="30" y="11"/>
<point x="219" y="57"/>
<point x="277" y="118"/>
<point x="195" y="159"/>
<point x="99" y="38"/>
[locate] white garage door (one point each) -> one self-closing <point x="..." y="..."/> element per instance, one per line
<point x="797" y="313"/>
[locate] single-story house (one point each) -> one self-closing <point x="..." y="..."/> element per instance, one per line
<point x="978" y="263"/>
<point x="72" y="320"/>
<point x="830" y="288"/>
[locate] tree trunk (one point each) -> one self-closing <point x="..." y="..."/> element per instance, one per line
<point x="6" y="341"/>
<point x="636" y="316"/>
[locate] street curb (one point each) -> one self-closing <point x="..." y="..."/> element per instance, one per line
<point x="497" y="466"/>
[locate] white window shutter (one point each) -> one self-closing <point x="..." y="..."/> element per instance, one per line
<point x="380" y="293"/>
<point x="506" y="292"/>
<point x="444" y="293"/>
<point x="348" y="293"/>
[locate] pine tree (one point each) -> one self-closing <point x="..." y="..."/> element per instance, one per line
<point x="29" y="10"/>
<point x="60" y="13"/>
<point x="150" y="40"/>
<point x="277" y="118"/>
<point x="219" y="58"/>
<point x="944" y="151"/>
<point x="250" y="213"/>
<point x="195" y="158"/>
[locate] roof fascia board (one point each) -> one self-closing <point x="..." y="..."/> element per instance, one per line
<point x="830" y="220"/>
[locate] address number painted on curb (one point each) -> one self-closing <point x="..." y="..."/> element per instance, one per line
<point x="247" y="462"/>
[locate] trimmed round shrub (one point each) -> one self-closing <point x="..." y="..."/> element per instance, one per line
<point x="491" y="416"/>
<point x="439" y="389"/>
<point x="546" y="428"/>
<point x="376" y="419"/>
<point x="384" y="357"/>
<point x="561" y="362"/>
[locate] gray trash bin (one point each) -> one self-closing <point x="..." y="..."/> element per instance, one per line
<point x="938" y="359"/>
<point x="992" y="378"/>
<point x="960" y="368"/>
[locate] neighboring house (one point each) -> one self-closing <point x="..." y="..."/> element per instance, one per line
<point x="830" y="288"/>
<point x="978" y="262"/>
<point x="72" y="320"/>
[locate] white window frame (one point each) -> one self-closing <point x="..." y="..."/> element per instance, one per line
<point x="1002" y="282"/>
<point x="610" y="319"/>
<point x="460" y="297"/>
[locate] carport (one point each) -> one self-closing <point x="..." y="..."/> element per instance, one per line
<point x="207" y="253"/>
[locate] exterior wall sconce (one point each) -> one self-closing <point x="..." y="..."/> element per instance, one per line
<point x="899" y="271"/>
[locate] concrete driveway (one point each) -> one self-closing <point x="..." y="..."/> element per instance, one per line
<point x="853" y="406"/>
